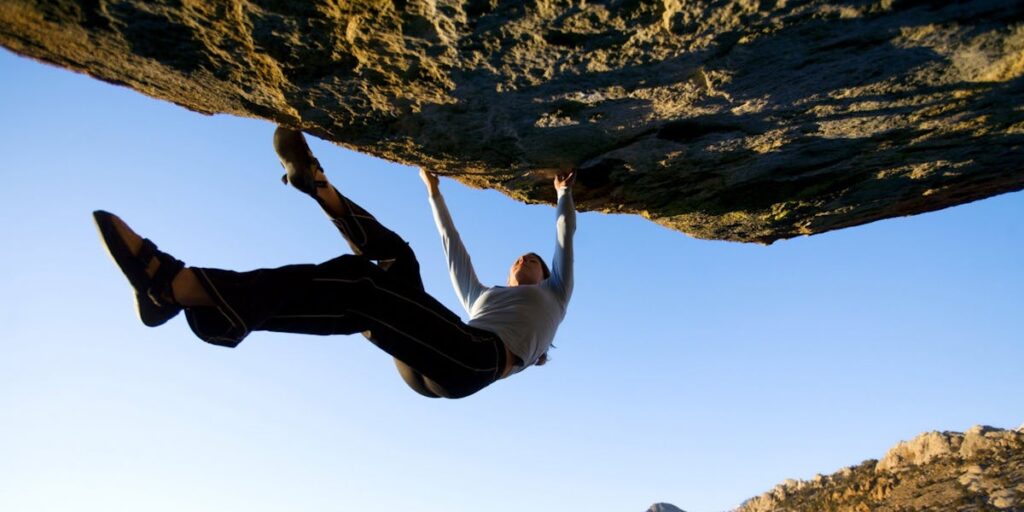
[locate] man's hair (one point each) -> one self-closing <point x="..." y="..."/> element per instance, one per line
<point x="543" y="264"/>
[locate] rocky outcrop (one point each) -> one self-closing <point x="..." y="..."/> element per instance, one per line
<point x="748" y="120"/>
<point x="664" y="507"/>
<point x="981" y="469"/>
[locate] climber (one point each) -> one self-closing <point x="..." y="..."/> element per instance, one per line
<point x="376" y="291"/>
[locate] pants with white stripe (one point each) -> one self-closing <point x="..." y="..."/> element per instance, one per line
<point x="436" y="353"/>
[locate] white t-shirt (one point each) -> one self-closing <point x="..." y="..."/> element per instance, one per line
<point x="524" y="317"/>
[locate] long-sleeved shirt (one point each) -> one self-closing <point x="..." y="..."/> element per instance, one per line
<point x="525" y="317"/>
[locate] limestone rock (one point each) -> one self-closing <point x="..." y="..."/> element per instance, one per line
<point x="981" y="469"/>
<point x="921" y="450"/>
<point x="727" y="119"/>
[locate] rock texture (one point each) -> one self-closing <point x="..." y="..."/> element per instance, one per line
<point x="980" y="470"/>
<point x="749" y="120"/>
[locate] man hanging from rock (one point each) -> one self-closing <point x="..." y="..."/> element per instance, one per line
<point x="376" y="291"/>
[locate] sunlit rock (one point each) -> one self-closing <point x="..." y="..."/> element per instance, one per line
<point x="739" y="120"/>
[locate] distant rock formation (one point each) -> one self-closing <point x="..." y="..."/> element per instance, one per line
<point x="981" y="469"/>
<point x="664" y="507"/>
<point x="725" y="119"/>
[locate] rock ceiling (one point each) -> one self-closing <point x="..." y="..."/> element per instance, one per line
<point x="732" y="119"/>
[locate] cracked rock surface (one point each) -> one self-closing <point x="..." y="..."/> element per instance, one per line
<point x="746" y="120"/>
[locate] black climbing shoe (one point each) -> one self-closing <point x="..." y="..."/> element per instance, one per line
<point x="153" y="296"/>
<point x="301" y="168"/>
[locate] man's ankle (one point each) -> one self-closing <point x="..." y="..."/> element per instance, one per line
<point x="187" y="291"/>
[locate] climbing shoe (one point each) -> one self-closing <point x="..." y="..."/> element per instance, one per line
<point x="154" y="299"/>
<point x="302" y="170"/>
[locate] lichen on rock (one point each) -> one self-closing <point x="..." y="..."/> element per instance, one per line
<point x="736" y="120"/>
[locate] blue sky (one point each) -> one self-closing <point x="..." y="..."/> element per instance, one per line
<point x="694" y="372"/>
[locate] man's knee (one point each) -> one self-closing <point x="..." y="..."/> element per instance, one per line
<point x="405" y="268"/>
<point x="349" y="264"/>
<point x="407" y="256"/>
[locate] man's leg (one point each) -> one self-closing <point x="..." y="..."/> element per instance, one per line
<point x="442" y="355"/>
<point x="368" y="237"/>
<point x="364" y="234"/>
<point x="362" y="231"/>
<point x="347" y="295"/>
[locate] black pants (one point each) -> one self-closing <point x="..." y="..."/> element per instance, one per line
<point x="436" y="353"/>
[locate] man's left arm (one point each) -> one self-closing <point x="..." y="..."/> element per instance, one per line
<point x="561" y="279"/>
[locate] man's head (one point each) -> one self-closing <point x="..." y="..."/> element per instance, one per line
<point x="528" y="269"/>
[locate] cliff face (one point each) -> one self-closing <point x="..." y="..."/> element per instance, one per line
<point x="982" y="469"/>
<point x="728" y="119"/>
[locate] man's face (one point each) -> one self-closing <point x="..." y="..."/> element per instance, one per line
<point x="526" y="270"/>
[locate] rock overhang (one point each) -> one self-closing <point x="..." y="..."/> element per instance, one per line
<point x="735" y="120"/>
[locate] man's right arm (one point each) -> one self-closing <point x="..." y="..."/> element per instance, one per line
<point x="464" y="279"/>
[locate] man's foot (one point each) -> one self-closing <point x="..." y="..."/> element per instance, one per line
<point x="149" y="270"/>
<point x="302" y="170"/>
